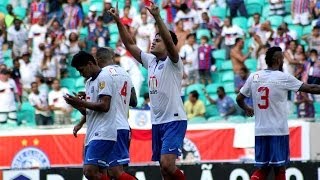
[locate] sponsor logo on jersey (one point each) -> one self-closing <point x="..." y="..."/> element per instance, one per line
<point x="102" y="85"/>
<point x="161" y="67"/>
<point x="30" y="157"/>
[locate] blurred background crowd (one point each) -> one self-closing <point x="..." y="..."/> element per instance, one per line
<point x="220" y="42"/>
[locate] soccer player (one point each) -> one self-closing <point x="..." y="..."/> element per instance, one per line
<point x="165" y="70"/>
<point x="99" y="109"/>
<point x="269" y="90"/>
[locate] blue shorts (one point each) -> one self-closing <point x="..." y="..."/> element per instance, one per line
<point x="168" y="138"/>
<point x="97" y="153"/>
<point x="272" y="151"/>
<point x="120" y="151"/>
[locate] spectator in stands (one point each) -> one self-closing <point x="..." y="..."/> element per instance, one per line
<point x="17" y="37"/>
<point x="49" y="66"/>
<point x="181" y="34"/>
<point x="2" y="36"/>
<point x="93" y="51"/>
<point x="213" y="25"/>
<point x="55" y="9"/>
<point x="73" y="44"/>
<point x="171" y="7"/>
<point x="290" y="61"/>
<point x="229" y="34"/>
<point x="37" y="35"/>
<point x="28" y="71"/>
<point x="277" y="7"/>
<point x="125" y="19"/>
<point x="91" y="22"/>
<point x="146" y="102"/>
<point x="42" y="86"/>
<point x="235" y="6"/>
<point x="291" y="33"/>
<point x="40" y="102"/>
<point x="58" y="105"/>
<point x="132" y="10"/>
<point x="9" y="97"/>
<point x="72" y="15"/>
<point x="101" y="34"/>
<point x="205" y="60"/>
<point x="10" y="16"/>
<point x="264" y="37"/>
<point x="313" y="39"/>
<point x="261" y="54"/>
<point x="313" y="67"/>
<point x="254" y="32"/>
<point x="237" y="57"/>
<point x="225" y="104"/>
<point x="16" y="76"/>
<point x="304" y="105"/>
<point x="107" y="18"/>
<point x="203" y="6"/>
<point x="189" y="18"/>
<point x="143" y="33"/>
<point x="37" y="9"/>
<point x="240" y="80"/>
<point x="194" y="107"/>
<point x="281" y="38"/>
<point x="300" y="12"/>
<point x="55" y="30"/>
<point x="188" y="54"/>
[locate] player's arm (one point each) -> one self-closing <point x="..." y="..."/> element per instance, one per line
<point x="164" y="33"/>
<point x="310" y="88"/>
<point x="240" y="101"/>
<point x="133" y="98"/>
<point x="77" y="127"/>
<point x="125" y="36"/>
<point x="103" y="104"/>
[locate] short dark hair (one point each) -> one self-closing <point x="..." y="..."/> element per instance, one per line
<point x="258" y="14"/>
<point x="82" y="58"/>
<point x="270" y="55"/>
<point x="195" y="94"/>
<point x="238" y="39"/>
<point x="221" y="88"/>
<point x="173" y="37"/>
<point x="33" y="83"/>
<point x="191" y="35"/>
<point x="313" y="51"/>
<point x="184" y="7"/>
<point x="205" y="38"/>
<point x="100" y="18"/>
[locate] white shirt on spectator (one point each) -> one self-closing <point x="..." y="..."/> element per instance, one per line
<point x="38" y="34"/>
<point x="189" y="19"/>
<point x="19" y="38"/>
<point x="40" y="100"/>
<point x="144" y="35"/>
<point x="56" y="99"/>
<point x="28" y="73"/>
<point x="8" y="90"/>
<point x="190" y="54"/>
<point x="231" y="33"/>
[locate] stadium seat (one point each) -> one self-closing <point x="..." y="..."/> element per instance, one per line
<point x="241" y="22"/>
<point x="197" y="120"/>
<point x="254" y="7"/>
<point x="72" y="72"/>
<point x="198" y="87"/>
<point x="251" y="64"/>
<point x="215" y="119"/>
<point x="68" y="83"/>
<point x="288" y="19"/>
<point x="297" y="28"/>
<point x="202" y="32"/>
<point x="85" y="8"/>
<point x="219" y="54"/>
<point x="215" y="77"/>
<point x="211" y="110"/>
<point x="80" y="82"/>
<point x="26" y="113"/>
<point x="20" y="12"/>
<point x="99" y="6"/>
<point x="236" y="119"/>
<point x="212" y="88"/>
<point x="227" y="76"/>
<point x="307" y="30"/>
<point x="226" y="65"/>
<point x="275" y="21"/>
<point x="229" y="87"/>
<point x="3" y="9"/>
<point x="219" y="12"/>
<point x="113" y="29"/>
<point x="287" y="5"/>
<point x="140" y="102"/>
<point x="114" y="38"/>
<point x="266" y="11"/>
<point x="76" y="116"/>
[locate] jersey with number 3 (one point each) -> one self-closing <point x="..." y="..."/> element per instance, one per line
<point x="123" y="86"/>
<point x="269" y="91"/>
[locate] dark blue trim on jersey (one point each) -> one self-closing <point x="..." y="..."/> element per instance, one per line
<point x="95" y="76"/>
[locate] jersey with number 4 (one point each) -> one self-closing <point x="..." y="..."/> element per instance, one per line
<point x="269" y="91"/>
<point x="123" y="86"/>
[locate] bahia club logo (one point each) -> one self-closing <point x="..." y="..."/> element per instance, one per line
<point x="30" y="157"/>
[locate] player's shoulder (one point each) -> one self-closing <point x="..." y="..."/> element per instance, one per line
<point x="147" y="56"/>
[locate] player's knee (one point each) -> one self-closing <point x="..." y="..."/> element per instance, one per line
<point x="167" y="167"/>
<point x="90" y="173"/>
<point x="116" y="171"/>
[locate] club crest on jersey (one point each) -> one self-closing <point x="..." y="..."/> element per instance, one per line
<point x="102" y="85"/>
<point x="255" y="77"/>
<point x="92" y="89"/>
<point x="161" y="67"/>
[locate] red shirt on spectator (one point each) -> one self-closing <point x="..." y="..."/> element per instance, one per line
<point x="37" y="9"/>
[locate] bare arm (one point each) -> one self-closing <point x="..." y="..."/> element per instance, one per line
<point x="164" y="33"/>
<point x="212" y="101"/>
<point x="133" y="98"/>
<point x="103" y="104"/>
<point x="239" y="57"/>
<point x="310" y="88"/>
<point x="126" y="37"/>
<point x="240" y="101"/>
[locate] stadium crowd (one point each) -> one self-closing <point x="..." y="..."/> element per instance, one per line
<point x="220" y="43"/>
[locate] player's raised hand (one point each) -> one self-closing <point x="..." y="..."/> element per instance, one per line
<point x="153" y="9"/>
<point x="114" y="12"/>
<point x="76" y="128"/>
<point x="249" y="112"/>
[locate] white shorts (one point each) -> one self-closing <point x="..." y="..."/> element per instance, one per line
<point x="18" y="51"/>
<point x="302" y="19"/>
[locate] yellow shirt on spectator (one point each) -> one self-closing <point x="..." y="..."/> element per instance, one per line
<point x="198" y="109"/>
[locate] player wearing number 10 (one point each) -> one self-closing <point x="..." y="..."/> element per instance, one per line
<point x="269" y="90"/>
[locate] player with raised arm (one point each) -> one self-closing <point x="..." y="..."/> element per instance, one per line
<point x="269" y="90"/>
<point x="165" y="70"/>
<point x="99" y="109"/>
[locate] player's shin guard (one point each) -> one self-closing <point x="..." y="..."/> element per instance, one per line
<point x="178" y="175"/>
<point x="126" y="176"/>
<point x="280" y="173"/>
<point x="260" y="174"/>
